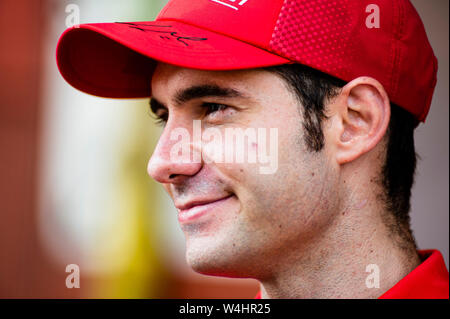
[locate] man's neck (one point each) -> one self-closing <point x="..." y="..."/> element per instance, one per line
<point x="356" y="257"/>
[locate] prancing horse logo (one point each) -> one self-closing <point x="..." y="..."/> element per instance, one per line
<point x="233" y="5"/>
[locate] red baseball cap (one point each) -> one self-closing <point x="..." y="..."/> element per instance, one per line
<point x="384" y="39"/>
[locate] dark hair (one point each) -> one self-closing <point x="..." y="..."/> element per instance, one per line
<point x="313" y="89"/>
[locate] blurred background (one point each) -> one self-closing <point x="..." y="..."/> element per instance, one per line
<point x="73" y="182"/>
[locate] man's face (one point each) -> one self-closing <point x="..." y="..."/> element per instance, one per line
<point x="238" y="221"/>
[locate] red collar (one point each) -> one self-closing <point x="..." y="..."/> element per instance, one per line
<point x="428" y="281"/>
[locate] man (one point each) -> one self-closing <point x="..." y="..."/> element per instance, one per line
<point x="321" y="96"/>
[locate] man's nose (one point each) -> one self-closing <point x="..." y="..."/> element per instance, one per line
<point x="166" y="164"/>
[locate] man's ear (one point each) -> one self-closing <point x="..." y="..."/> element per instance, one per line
<point x="361" y="114"/>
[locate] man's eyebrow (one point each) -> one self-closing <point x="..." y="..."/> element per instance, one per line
<point x="198" y="91"/>
<point x="208" y="90"/>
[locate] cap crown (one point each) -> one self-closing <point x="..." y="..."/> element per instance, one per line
<point x="341" y="38"/>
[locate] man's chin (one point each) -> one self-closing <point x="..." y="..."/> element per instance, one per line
<point x="204" y="264"/>
<point x="213" y="264"/>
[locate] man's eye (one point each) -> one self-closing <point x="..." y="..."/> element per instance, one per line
<point x="161" y="121"/>
<point x="160" y="118"/>
<point x="214" y="107"/>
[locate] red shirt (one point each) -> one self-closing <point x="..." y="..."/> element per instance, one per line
<point x="428" y="281"/>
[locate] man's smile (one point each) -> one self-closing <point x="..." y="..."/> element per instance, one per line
<point x="194" y="208"/>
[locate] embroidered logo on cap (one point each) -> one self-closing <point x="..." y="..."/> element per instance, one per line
<point x="233" y="4"/>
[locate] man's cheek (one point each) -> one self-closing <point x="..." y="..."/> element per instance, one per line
<point x="255" y="147"/>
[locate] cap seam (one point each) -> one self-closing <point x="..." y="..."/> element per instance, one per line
<point x="394" y="48"/>
<point x="395" y="79"/>
<point x="276" y="24"/>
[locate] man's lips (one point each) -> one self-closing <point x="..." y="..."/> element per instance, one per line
<point x="195" y="208"/>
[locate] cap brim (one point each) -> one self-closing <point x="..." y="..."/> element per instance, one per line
<point x="117" y="60"/>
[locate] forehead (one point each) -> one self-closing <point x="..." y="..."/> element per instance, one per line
<point x="168" y="79"/>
